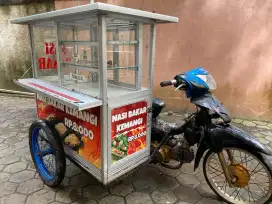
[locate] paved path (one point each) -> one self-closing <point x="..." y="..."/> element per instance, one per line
<point x="19" y="182"/>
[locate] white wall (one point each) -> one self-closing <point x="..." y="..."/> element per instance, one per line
<point x="14" y="46"/>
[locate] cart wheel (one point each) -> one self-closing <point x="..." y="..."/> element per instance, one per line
<point x="47" y="153"/>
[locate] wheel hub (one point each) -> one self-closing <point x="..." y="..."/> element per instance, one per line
<point x="240" y="174"/>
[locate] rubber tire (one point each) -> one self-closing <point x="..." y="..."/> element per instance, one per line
<point x="60" y="154"/>
<point x="261" y="158"/>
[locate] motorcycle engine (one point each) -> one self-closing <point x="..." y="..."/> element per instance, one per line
<point x="163" y="155"/>
<point x="177" y="148"/>
<point x="181" y="150"/>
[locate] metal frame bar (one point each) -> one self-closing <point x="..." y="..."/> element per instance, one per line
<point x="93" y="38"/>
<point x="139" y="57"/>
<point x="75" y="39"/>
<point x="60" y="75"/>
<point x="94" y="48"/>
<point x="152" y="54"/>
<point x="32" y="51"/>
<point x="115" y="37"/>
<point x="151" y="74"/>
<point x="116" y="42"/>
<point x="83" y="67"/>
<point x="121" y="29"/>
<point x="75" y="47"/>
<point x="79" y="42"/>
<point x="102" y="64"/>
<point x="128" y="68"/>
<point x="132" y="25"/>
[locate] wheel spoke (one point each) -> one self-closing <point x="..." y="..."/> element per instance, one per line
<point x="216" y="164"/>
<point x="233" y="192"/>
<point x="46" y="152"/>
<point x="246" y="160"/>
<point x="241" y="196"/>
<point x="216" y="170"/>
<point x="252" y="172"/>
<point x="256" y="172"/>
<point x="238" y="191"/>
<point x="257" y="184"/>
<point x="217" y="175"/>
<point x="50" y="164"/>
<point x="224" y="184"/>
<point x="252" y="193"/>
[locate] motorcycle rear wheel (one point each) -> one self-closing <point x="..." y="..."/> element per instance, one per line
<point x="253" y="177"/>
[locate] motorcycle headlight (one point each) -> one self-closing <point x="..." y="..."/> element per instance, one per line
<point x="209" y="80"/>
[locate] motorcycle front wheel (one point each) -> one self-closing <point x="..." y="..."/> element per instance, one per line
<point x="252" y="177"/>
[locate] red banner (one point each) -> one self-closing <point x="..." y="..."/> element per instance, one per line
<point x="80" y="130"/>
<point x="128" y="129"/>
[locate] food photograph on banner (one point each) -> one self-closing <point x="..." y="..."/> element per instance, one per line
<point x="79" y="130"/>
<point x="128" y="130"/>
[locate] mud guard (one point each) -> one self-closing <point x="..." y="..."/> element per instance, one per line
<point x="219" y="137"/>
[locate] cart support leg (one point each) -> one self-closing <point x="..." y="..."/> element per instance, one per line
<point x="102" y="64"/>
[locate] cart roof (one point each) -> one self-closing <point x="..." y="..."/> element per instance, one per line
<point x="89" y="10"/>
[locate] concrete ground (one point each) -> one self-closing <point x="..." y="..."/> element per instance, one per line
<point x="19" y="182"/>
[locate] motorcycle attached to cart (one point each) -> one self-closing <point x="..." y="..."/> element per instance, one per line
<point x="93" y="78"/>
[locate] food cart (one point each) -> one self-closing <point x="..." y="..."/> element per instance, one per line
<point x="93" y="78"/>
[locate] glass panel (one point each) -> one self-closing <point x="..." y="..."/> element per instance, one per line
<point x="83" y="34"/>
<point x="68" y="35"/>
<point x="121" y="30"/>
<point x="79" y="57"/>
<point x="121" y="56"/>
<point x="122" y="46"/>
<point x="80" y="80"/>
<point x="44" y="38"/>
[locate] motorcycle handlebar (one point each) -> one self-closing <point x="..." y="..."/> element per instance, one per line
<point x="168" y="83"/>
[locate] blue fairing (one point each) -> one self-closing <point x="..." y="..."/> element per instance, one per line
<point x="199" y="92"/>
<point x="191" y="78"/>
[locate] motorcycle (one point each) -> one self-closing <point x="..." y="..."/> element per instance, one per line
<point x="236" y="166"/>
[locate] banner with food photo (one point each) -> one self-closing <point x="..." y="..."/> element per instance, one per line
<point x="80" y="130"/>
<point x="128" y="129"/>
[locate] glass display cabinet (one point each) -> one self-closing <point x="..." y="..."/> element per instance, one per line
<point x="93" y="78"/>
